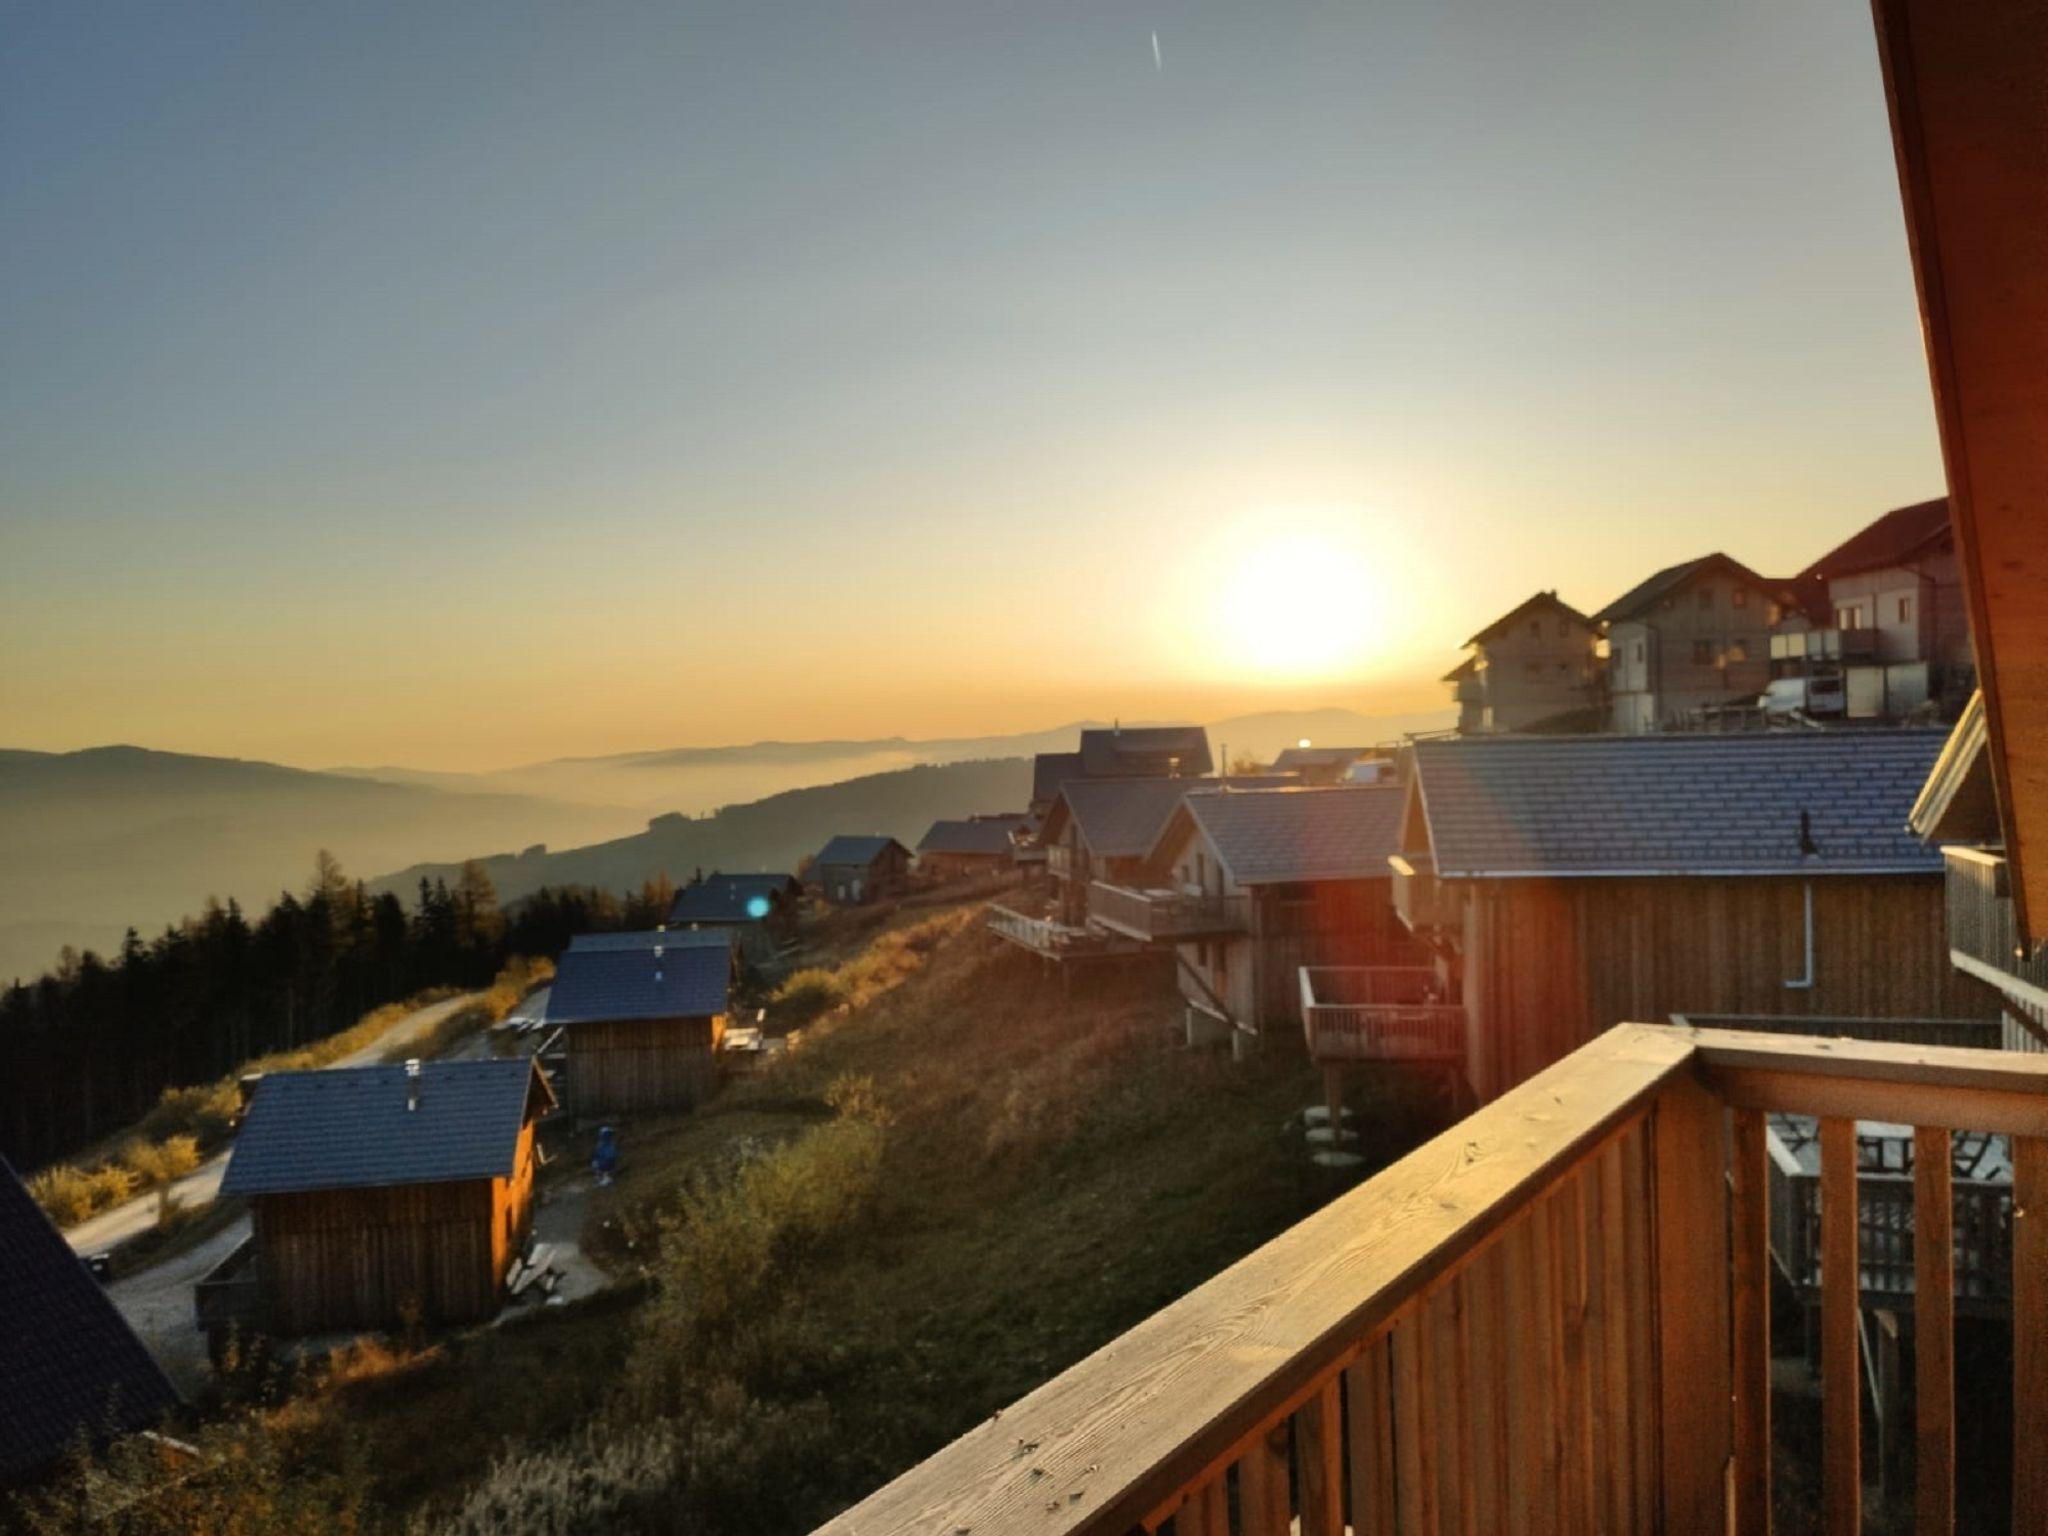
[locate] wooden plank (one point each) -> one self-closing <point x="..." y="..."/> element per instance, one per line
<point x="1368" y="1390"/>
<point x="2030" y="1336"/>
<point x="1934" y="1334"/>
<point x="1615" y="1401"/>
<point x="1693" y="1348"/>
<point x="1319" y="1438"/>
<point x="1207" y="1511"/>
<point x="1265" y="1501"/>
<point x="1524" y="1339"/>
<point x="1841" y="1392"/>
<point x="1539" y="1426"/>
<point x="1900" y="1103"/>
<point x="1132" y="1425"/>
<point x="1646" y="1404"/>
<point x="1414" y="1476"/>
<point x="1482" y="1363"/>
<point x="1575" y="1406"/>
<point x="1750" y="1228"/>
<point x="1445" y="1407"/>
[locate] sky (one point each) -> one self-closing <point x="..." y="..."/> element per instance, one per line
<point x="457" y="385"/>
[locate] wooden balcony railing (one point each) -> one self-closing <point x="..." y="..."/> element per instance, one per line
<point x="1165" y="917"/>
<point x="1976" y="1034"/>
<point x="1420" y="899"/>
<point x="1555" y="1316"/>
<point x="1047" y="936"/>
<point x="1983" y="939"/>
<point x="1379" y="1013"/>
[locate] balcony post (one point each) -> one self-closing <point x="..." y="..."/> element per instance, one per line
<point x="1695" y="1390"/>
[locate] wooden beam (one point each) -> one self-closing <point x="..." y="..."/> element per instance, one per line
<point x="2029" y="1336"/>
<point x="1841" y="1379"/>
<point x="1750" y="1230"/>
<point x="1691" y="1236"/>
<point x="1934" y="1334"/>
<point x="1966" y="82"/>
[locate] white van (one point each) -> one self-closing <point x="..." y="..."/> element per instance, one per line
<point x="1815" y="697"/>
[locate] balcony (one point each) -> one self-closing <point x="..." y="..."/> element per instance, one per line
<point x="1983" y="939"/>
<point x="1053" y="940"/>
<point x="1379" y="1013"/>
<point x="1420" y="899"/>
<point x="1553" y="1316"/>
<point x="1166" y="917"/>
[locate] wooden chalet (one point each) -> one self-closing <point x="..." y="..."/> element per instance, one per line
<point x="71" y="1369"/>
<point x="641" y="1025"/>
<point x="1571" y="882"/>
<point x="1101" y="830"/>
<point x="979" y="845"/>
<point x="760" y="909"/>
<point x="1250" y="886"/>
<point x="1557" y="1315"/>
<point x="1117" y="752"/>
<point x="379" y="1196"/>
<point x="1533" y="668"/>
<point x="851" y="870"/>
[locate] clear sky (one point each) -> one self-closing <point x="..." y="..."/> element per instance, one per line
<point x="465" y="384"/>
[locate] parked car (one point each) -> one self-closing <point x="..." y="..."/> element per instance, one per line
<point x="1816" y="697"/>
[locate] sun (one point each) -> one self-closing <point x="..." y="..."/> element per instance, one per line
<point x="1302" y="603"/>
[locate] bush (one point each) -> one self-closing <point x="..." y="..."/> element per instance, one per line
<point x="155" y="1163"/>
<point x="205" y="1113"/>
<point x="592" y="1486"/>
<point x="808" y="993"/>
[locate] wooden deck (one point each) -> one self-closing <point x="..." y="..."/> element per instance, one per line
<point x="1393" y="1013"/>
<point x="1165" y="917"/>
<point x="1053" y="940"/>
<point x="1555" y="1316"/>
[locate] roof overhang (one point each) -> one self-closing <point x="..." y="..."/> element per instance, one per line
<point x="1966" y="83"/>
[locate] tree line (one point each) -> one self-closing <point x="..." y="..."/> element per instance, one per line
<point x="93" y="1043"/>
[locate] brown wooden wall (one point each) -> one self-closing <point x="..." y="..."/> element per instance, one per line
<point x="1332" y="922"/>
<point x="368" y="1258"/>
<point x="622" y="1066"/>
<point x="1548" y="964"/>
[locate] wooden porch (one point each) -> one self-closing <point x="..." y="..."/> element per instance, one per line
<point x="1392" y="1013"/>
<point x="1165" y="916"/>
<point x="1555" y="1316"/>
<point x="1050" y="939"/>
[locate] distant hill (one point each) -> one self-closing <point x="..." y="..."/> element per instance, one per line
<point x="773" y="833"/>
<point x="92" y="842"/>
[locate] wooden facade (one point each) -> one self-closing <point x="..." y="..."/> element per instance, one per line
<point x="886" y="874"/>
<point x="1257" y="973"/>
<point x="629" y="1066"/>
<point x="331" y="1260"/>
<point x="1549" y="964"/>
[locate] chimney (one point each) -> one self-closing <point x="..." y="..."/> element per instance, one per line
<point x="412" y="1084"/>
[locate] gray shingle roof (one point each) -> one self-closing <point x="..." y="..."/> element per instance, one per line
<point x="1107" y="752"/>
<point x="1121" y="818"/>
<point x="70" y="1364"/>
<point x="723" y="898"/>
<point x="1267" y="836"/>
<point x="678" y="982"/>
<point x="851" y="849"/>
<point x="1671" y="805"/>
<point x="1049" y="770"/>
<point x="1294" y="759"/>
<point x="1638" y="598"/>
<point x="349" y="1127"/>
<point x="669" y="938"/>
<point x="987" y="835"/>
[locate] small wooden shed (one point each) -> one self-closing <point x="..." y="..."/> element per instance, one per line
<point x="383" y="1195"/>
<point x="851" y="870"/>
<point x="642" y="1024"/>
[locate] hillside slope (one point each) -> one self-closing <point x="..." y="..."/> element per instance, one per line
<point x="763" y="834"/>
<point x="92" y="842"/>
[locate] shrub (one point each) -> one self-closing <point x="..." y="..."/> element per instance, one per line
<point x="205" y="1113"/>
<point x="155" y="1163"/>
<point x="592" y="1486"/>
<point x="808" y="993"/>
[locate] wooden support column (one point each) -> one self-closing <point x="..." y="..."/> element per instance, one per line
<point x="1333" y="1101"/>
<point x="1750" y="1230"/>
<point x="1841" y="1293"/>
<point x="1695" y="1356"/>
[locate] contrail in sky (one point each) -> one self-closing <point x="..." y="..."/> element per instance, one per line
<point x="1158" y="63"/>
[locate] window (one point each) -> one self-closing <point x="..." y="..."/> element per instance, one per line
<point x="1905" y="610"/>
<point x="1703" y="653"/>
<point x="1737" y="651"/>
<point x="1850" y="616"/>
<point x="1739" y="598"/>
<point x="1773" y="613"/>
<point x="1639" y="653"/>
<point x="1706" y="597"/>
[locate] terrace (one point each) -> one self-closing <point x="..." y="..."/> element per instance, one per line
<point x="1556" y="1315"/>
<point x="1165" y="916"/>
<point x="1380" y="1013"/>
<point x="1051" y="939"/>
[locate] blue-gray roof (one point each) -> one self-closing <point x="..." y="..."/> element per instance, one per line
<point x="854" y="850"/>
<point x="722" y="898"/>
<point x="652" y="938"/>
<point x="1279" y="836"/>
<point x="982" y="834"/>
<point x="351" y="1127"/>
<point x="71" y="1365"/>
<point x="1676" y="805"/>
<point x="685" y="981"/>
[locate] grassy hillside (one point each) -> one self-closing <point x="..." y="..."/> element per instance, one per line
<point x="99" y="840"/>
<point x="764" y="834"/>
<point x="949" y="1193"/>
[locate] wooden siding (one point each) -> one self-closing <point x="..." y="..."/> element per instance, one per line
<point x="885" y="876"/>
<point x="1549" y="964"/>
<point x="623" y="1066"/>
<point x="376" y="1258"/>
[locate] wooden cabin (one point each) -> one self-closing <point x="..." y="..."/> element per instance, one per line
<point x="71" y="1369"/>
<point x="380" y="1196"/>
<point x="1101" y="830"/>
<point x="642" y="1025"/>
<point x="850" y="870"/>
<point x="979" y="845"/>
<point x="759" y="909"/>
<point x="1252" y="885"/>
<point x="1116" y="752"/>
<point x="1572" y="882"/>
